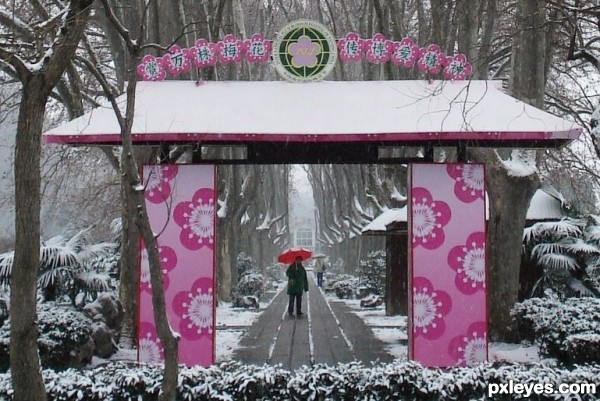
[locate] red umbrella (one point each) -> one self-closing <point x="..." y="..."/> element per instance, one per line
<point x="290" y="255"/>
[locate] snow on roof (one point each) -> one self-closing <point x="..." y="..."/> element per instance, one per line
<point x="327" y="111"/>
<point x="380" y="222"/>
<point x="543" y="206"/>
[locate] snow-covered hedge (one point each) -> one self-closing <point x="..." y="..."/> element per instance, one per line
<point x="65" y="337"/>
<point x="565" y="329"/>
<point x="234" y="381"/>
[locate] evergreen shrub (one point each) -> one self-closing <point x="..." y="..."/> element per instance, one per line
<point x="564" y="329"/>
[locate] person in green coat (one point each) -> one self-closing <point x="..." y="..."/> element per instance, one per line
<point x="297" y="284"/>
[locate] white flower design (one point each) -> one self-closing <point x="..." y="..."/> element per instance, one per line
<point x="476" y="351"/>
<point x="424" y="219"/>
<point x="199" y="310"/>
<point x="150" y="350"/>
<point x="472" y="177"/>
<point x="473" y="266"/>
<point x="201" y="220"/>
<point x="425" y="310"/>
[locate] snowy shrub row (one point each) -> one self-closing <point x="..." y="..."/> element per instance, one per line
<point x="565" y="329"/>
<point x="353" y="381"/>
<point x="65" y="338"/>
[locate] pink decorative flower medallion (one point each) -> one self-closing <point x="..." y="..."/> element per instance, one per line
<point x="351" y="47"/>
<point x="378" y="49"/>
<point x="176" y="61"/>
<point x="457" y="67"/>
<point x="195" y="308"/>
<point x="151" y="69"/>
<point x="304" y="52"/>
<point x="469" y="263"/>
<point x="150" y="347"/>
<point x="428" y="219"/>
<point x="471" y="347"/>
<point x="158" y="182"/>
<point x="405" y="53"/>
<point x="168" y="261"/>
<point x="258" y="49"/>
<point x="469" y="179"/>
<point x="204" y="54"/>
<point x="230" y="49"/>
<point x="196" y="219"/>
<point x="429" y="308"/>
<point x="432" y="59"/>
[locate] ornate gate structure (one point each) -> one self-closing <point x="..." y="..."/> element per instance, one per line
<point x="335" y="122"/>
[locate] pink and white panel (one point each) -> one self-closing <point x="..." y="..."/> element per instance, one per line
<point x="448" y="310"/>
<point x="181" y="201"/>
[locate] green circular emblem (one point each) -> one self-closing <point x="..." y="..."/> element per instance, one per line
<point x="304" y="50"/>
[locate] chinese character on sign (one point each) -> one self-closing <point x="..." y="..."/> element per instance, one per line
<point x="457" y="67"/>
<point x="229" y="50"/>
<point x="351" y="47"/>
<point x="433" y="60"/>
<point x="203" y="54"/>
<point x="150" y="69"/>
<point x="176" y="61"/>
<point x="405" y="53"/>
<point x="378" y="49"/>
<point x="257" y="48"/>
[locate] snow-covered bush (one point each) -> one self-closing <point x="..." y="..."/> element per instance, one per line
<point x="250" y="282"/>
<point x="244" y="264"/>
<point x="69" y="266"/>
<point x="399" y="380"/>
<point x="253" y="284"/>
<point x="275" y="273"/>
<point x="345" y="289"/>
<point x="568" y="251"/>
<point x="372" y="275"/>
<point x="64" y="337"/>
<point x="561" y="327"/>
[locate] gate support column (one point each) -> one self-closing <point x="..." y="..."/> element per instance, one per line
<point x="447" y="264"/>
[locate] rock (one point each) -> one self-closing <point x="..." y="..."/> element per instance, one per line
<point x="108" y="309"/>
<point x="372" y="301"/>
<point x="107" y="314"/>
<point x="103" y="340"/>
<point x="85" y="353"/>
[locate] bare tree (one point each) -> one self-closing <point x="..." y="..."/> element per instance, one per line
<point x="39" y="69"/>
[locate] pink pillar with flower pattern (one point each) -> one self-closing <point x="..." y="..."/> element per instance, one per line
<point x="181" y="202"/>
<point x="448" y="305"/>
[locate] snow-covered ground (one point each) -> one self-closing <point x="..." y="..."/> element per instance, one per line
<point x="392" y="330"/>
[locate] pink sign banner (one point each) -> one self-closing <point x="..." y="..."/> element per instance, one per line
<point x="448" y="300"/>
<point x="181" y="202"/>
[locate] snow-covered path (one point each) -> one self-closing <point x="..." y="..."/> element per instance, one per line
<point x="327" y="333"/>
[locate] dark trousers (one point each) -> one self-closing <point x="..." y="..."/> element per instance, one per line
<point x="297" y="298"/>
<point x="320" y="279"/>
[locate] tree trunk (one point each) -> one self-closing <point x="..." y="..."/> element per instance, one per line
<point x="26" y="376"/>
<point x="24" y="358"/>
<point x="509" y="201"/>
<point x="132" y="182"/>
<point x="129" y="277"/>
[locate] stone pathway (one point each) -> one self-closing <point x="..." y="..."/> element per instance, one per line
<point x="328" y="333"/>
